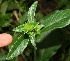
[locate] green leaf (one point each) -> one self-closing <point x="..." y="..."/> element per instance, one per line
<point x="23" y="18"/>
<point x="38" y="16"/>
<point x="31" y="12"/>
<point x="59" y="19"/>
<point x="46" y="54"/>
<point x="19" y="28"/>
<point x="56" y="17"/>
<point x="32" y="38"/>
<point x="4" y="7"/>
<point x="15" y="37"/>
<point x="54" y="38"/>
<point x="17" y="48"/>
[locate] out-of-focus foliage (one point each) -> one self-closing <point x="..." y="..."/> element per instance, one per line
<point x="63" y="3"/>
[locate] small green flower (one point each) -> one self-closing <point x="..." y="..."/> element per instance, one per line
<point x="29" y="27"/>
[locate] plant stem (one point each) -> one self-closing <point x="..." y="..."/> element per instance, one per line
<point x="34" y="54"/>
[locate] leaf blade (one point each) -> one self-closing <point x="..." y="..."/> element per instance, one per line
<point x="32" y="39"/>
<point x="17" y="47"/>
<point x="55" y="21"/>
<point x="46" y="54"/>
<point x="31" y="12"/>
<point x="4" y="7"/>
<point x="57" y="16"/>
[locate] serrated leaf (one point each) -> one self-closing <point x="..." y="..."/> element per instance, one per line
<point x="59" y="19"/>
<point x="46" y="54"/>
<point x="31" y="12"/>
<point x="17" y="48"/>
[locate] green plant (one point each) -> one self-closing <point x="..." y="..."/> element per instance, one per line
<point x="36" y="32"/>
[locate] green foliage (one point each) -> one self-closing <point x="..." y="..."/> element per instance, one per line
<point x="12" y="5"/>
<point x="4" y="7"/>
<point x="31" y="12"/>
<point x="46" y="54"/>
<point x="4" y="20"/>
<point x="32" y="38"/>
<point x="23" y="18"/>
<point x="2" y="56"/>
<point x="59" y="19"/>
<point x="28" y="27"/>
<point x="38" y="16"/>
<point x="31" y="31"/>
<point x="17" y="47"/>
<point x="62" y="3"/>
